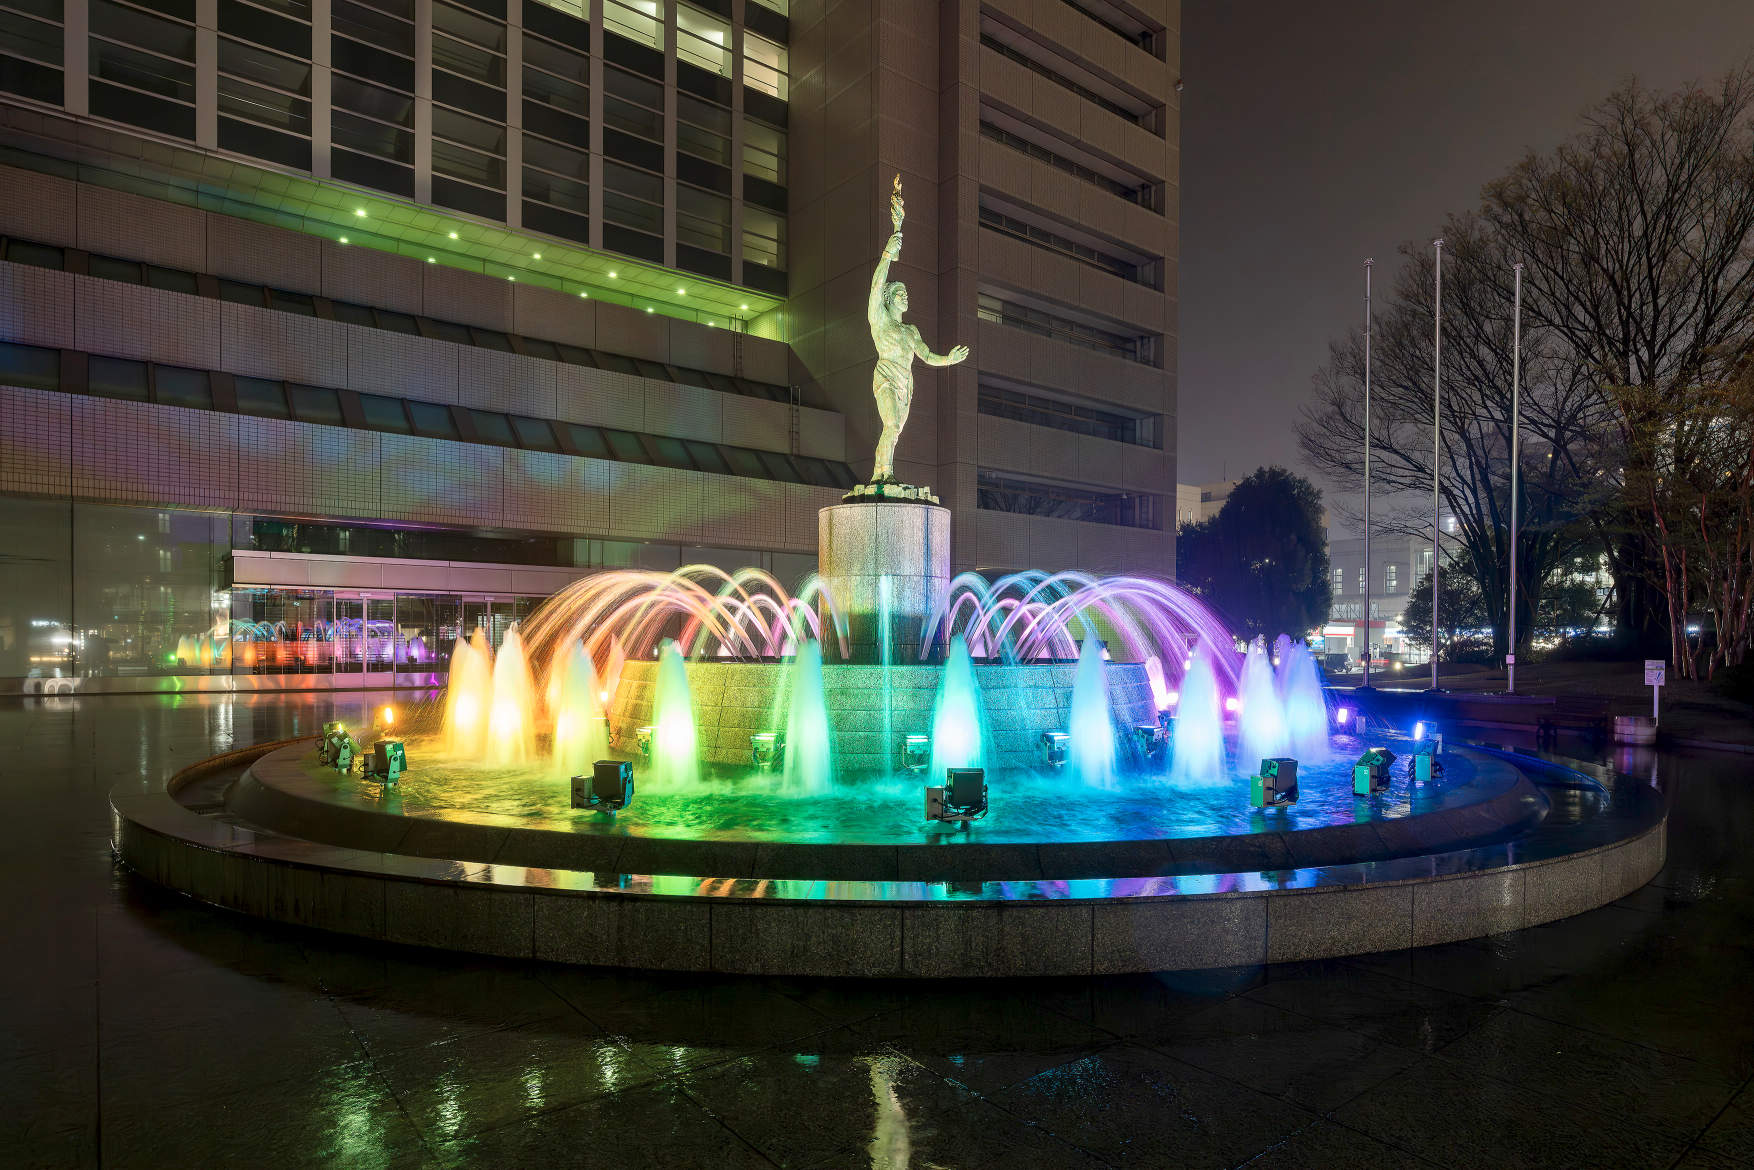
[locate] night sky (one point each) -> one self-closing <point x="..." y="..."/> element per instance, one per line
<point x="1314" y="135"/>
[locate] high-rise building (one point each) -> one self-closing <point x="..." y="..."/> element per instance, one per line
<point x="329" y="328"/>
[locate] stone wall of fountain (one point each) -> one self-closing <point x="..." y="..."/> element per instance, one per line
<point x="734" y="700"/>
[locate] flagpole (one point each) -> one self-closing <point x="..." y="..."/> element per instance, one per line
<point x="1366" y="601"/>
<point x="1516" y="378"/>
<point x="1436" y="448"/>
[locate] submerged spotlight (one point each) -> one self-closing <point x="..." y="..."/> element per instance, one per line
<point x="1055" y="747"/>
<point x="608" y="789"/>
<point x="1232" y="704"/>
<point x="1371" y="773"/>
<point x="1419" y="730"/>
<point x="768" y="750"/>
<point x="962" y="797"/>
<point x="389" y="759"/>
<point x="643" y="737"/>
<point x="1275" y="785"/>
<point x="1151" y="737"/>
<point x="1342" y="716"/>
<point x="916" y="752"/>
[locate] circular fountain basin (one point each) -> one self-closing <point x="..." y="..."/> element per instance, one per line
<point x="1042" y="825"/>
<point x="405" y="879"/>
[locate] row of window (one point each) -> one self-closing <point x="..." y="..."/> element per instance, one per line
<point x="1051" y="241"/>
<point x="71" y="371"/>
<point x="1146" y="195"/>
<point x="1129" y="30"/>
<point x="303" y="304"/>
<point x="1000" y="492"/>
<point x="1141" y="348"/>
<point x="1139" y="430"/>
<point x="1391" y="575"/>
<point x="1143" y="117"/>
<point x="144" y="73"/>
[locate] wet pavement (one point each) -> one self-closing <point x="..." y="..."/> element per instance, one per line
<point x="141" y="1029"/>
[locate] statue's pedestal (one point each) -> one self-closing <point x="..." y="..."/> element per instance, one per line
<point x="895" y="552"/>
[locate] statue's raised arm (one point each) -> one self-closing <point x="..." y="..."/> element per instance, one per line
<point x="891" y="252"/>
<point x="897" y="344"/>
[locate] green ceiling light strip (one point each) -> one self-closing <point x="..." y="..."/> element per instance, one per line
<point x="322" y="207"/>
<point x="317" y="207"/>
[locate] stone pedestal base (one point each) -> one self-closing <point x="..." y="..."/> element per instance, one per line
<point x="895" y="546"/>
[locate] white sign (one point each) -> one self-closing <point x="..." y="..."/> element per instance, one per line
<point x="1654" y="670"/>
<point x="1510" y="659"/>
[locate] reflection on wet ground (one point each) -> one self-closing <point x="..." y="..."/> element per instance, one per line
<point x="141" y="1029"/>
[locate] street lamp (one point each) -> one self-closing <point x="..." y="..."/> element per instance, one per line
<point x="1436" y="445"/>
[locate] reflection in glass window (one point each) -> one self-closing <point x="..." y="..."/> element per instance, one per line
<point x="764" y="237"/>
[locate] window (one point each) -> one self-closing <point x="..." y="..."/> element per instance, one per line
<point x="1424" y="563"/>
<point x="703" y="220"/>
<point x="703" y="39"/>
<point x="1141" y="348"/>
<point x="384" y="414"/>
<point x="142" y="69"/>
<point x="633" y="104"/>
<point x="30" y="51"/>
<point x="764" y="237"/>
<point x="1049" y="240"/>
<point x="633" y="198"/>
<point x="1142" y="192"/>
<point x="641" y="21"/>
<point x="261" y="397"/>
<point x="703" y="129"/>
<point x="765" y="66"/>
<point x="1363" y="584"/>
<point x="534" y="433"/>
<point x="432" y="420"/>
<point x="372" y="93"/>
<point x="30" y="366"/>
<point x="175" y="386"/>
<point x="316" y="404"/>
<point x="493" y="428"/>
<point x="1391" y="578"/>
<point x="764" y="151"/>
<point x="116" y="378"/>
<point x="1001" y="492"/>
<point x="1001" y="402"/>
<point x="1339" y="579"/>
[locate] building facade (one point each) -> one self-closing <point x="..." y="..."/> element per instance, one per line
<point x="1397" y="564"/>
<point x="329" y="328"/>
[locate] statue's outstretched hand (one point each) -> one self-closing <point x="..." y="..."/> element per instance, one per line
<point x="957" y="353"/>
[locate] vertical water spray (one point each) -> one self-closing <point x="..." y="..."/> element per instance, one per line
<point x="1261" y="720"/>
<point x="468" y="698"/>
<point x="580" y="736"/>
<point x="957" y="734"/>
<point x="672" y="765"/>
<point x="885" y="613"/>
<point x="1092" y="748"/>
<point x="809" y="756"/>
<point x="1159" y="688"/>
<point x="1197" y="745"/>
<point x="511" y="723"/>
<point x="1306" y="707"/>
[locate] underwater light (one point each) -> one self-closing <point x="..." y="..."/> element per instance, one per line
<point x="608" y="789"/>
<point x="1055" y="747"/>
<point x="1275" y="785"/>
<point x="1342" y="716"/>
<point x="962" y="797"/>
<point x="1171" y="700"/>
<point x="1232" y="704"/>
<point x="388" y="761"/>
<point x="1371" y="773"/>
<point x="916" y="752"/>
<point x="389" y="716"/>
<point x="643" y="737"/>
<point x="1151" y="738"/>
<point x="768" y="750"/>
<point x="1419" y="730"/>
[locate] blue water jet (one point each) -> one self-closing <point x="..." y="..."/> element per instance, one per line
<point x="1197" y="744"/>
<point x="958" y="733"/>
<point x="1092" y="748"/>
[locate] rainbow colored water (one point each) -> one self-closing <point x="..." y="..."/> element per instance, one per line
<point x="539" y="700"/>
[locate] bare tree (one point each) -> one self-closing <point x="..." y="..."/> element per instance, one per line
<point x="1638" y="238"/>
<point x="1562" y="419"/>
